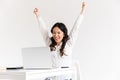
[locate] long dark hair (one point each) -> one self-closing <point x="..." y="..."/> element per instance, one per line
<point x="63" y="28"/>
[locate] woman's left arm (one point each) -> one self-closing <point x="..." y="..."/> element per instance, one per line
<point x="74" y="31"/>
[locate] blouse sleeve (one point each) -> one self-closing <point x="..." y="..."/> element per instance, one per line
<point x="74" y="31"/>
<point x="44" y="31"/>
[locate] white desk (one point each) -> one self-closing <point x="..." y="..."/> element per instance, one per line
<point x="22" y="74"/>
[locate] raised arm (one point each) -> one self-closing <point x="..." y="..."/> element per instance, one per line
<point x="74" y="31"/>
<point x="43" y="28"/>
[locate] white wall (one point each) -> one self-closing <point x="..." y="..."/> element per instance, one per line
<point x="99" y="41"/>
<point x="97" y="47"/>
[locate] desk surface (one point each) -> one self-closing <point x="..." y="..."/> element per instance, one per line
<point x="22" y="74"/>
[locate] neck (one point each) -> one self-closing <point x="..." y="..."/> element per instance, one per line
<point x="58" y="43"/>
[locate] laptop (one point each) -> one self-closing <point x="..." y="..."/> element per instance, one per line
<point x="36" y="58"/>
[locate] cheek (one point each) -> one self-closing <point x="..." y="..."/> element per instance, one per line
<point x="61" y="36"/>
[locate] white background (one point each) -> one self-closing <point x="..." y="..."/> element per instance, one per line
<point x="97" y="47"/>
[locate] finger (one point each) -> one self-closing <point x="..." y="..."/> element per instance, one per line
<point x="83" y="4"/>
<point x="2" y="69"/>
<point x="35" y="10"/>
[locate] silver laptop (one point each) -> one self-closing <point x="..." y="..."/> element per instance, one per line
<point x="36" y="58"/>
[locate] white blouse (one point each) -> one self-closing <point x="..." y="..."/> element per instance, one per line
<point x="65" y="60"/>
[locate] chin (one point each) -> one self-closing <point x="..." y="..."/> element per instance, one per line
<point x="58" y="41"/>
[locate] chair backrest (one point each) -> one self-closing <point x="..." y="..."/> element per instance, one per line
<point x="76" y="65"/>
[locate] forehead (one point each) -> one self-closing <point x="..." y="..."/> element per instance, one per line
<point x="55" y="29"/>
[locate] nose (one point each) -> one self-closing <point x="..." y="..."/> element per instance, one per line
<point x="55" y="35"/>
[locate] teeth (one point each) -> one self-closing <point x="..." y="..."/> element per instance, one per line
<point x="56" y="39"/>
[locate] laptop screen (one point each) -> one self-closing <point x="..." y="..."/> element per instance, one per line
<point x="36" y="57"/>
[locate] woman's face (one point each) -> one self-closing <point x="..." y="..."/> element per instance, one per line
<point x="57" y="35"/>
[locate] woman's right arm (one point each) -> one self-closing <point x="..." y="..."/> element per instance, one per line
<point x="43" y="28"/>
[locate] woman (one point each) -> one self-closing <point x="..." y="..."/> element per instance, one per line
<point x="61" y="44"/>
